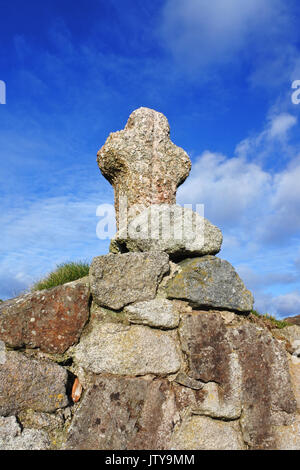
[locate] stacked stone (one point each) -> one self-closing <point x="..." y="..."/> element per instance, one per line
<point x="146" y="168"/>
<point x="157" y="349"/>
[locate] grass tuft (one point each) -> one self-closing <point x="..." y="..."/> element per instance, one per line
<point x="277" y="323"/>
<point x="64" y="273"/>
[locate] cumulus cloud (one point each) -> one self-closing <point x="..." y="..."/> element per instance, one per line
<point x="280" y="125"/>
<point x="202" y="33"/>
<point x="64" y="226"/>
<point x="238" y="192"/>
<point x="282" y="306"/>
<point x="258" y="210"/>
<point x="264" y="286"/>
<point x="271" y="141"/>
<point x="11" y="285"/>
<point x="228" y="187"/>
<point x="287" y="304"/>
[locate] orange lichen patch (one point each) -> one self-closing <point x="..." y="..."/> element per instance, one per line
<point x="57" y="398"/>
<point x="76" y="391"/>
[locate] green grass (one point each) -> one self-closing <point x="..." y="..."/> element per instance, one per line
<point x="65" y="272"/>
<point x="278" y="323"/>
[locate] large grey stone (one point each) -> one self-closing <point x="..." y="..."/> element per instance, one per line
<point x="31" y="383"/>
<point x="142" y="163"/>
<point x="211" y="359"/>
<point x="267" y="394"/>
<point x="178" y="231"/>
<point x="159" y="313"/>
<point x="294" y="364"/>
<point x="147" y="414"/>
<point x="13" y="438"/>
<point x="2" y="352"/>
<point x="235" y="393"/>
<point x="244" y="368"/>
<point x="203" y="433"/>
<point x="210" y="282"/>
<point x="292" y="334"/>
<point x="287" y="437"/>
<point x="121" y="413"/>
<point x="118" y="280"/>
<point x="127" y="350"/>
<point x="211" y="399"/>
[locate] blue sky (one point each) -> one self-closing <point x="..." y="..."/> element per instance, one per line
<point x="220" y="70"/>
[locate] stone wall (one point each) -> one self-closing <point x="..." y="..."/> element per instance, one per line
<point x="151" y="366"/>
<point x="156" y="349"/>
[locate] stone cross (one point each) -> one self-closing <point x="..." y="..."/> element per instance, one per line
<point x="142" y="163"/>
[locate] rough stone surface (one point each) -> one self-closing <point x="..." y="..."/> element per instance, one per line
<point x="211" y="359"/>
<point x="160" y="313"/>
<point x="292" y="334"/>
<point x="30" y="383"/>
<point x="267" y="394"/>
<point x="178" y="231"/>
<point x="148" y="414"/>
<point x="37" y="420"/>
<point x="234" y="392"/>
<point x="183" y="379"/>
<point x="142" y="163"/>
<point x="210" y="401"/>
<point x="2" y="352"/>
<point x="157" y="419"/>
<point x="294" y="364"/>
<point x="12" y="437"/>
<point x="132" y="350"/>
<point x="143" y="413"/>
<point x="51" y="320"/>
<point x="118" y="280"/>
<point x="250" y="369"/>
<point x="210" y="282"/>
<point x="52" y="423"/>
<point x="288" y="437"/>
<point x="93" y="427"/>
<point x="203" y="433"/>
<point x="203" y="339"/>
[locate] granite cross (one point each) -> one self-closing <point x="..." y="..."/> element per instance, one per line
<point x="142" y="163"/>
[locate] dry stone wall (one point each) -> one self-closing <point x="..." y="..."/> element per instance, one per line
<point x="157" y="348"/>
<point x="157" y="374"/>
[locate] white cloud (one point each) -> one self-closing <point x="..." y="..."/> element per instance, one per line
<point x="258" y="211"/>
<point x="271" y="140"/>
<point x="280" y="125"/>
<point x="228" y="188"/>
<point x="64" y="226"/>
<point x="11" y="285"/>
<point x="204" y="33"/>
<point x="282" y="306"/>
<point x="287" y="304"/>
<point x="261" y="205"/>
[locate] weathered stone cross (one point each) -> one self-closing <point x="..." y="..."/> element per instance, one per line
<point x="142" y="163"/>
